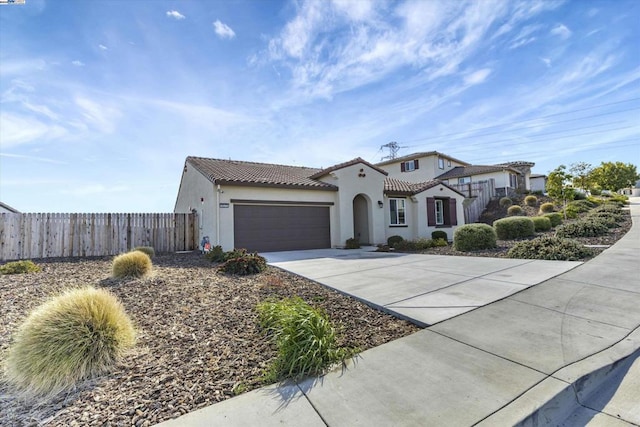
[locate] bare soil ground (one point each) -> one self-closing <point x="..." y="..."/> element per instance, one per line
<point x="198" y="337"/>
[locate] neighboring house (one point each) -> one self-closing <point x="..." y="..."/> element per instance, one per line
<point x="4" y="208"/>
<point x="420" y="167"/>
<point x="266" y="207"/>
<point x="538" y="182"/>
<point x="505" y="177"/>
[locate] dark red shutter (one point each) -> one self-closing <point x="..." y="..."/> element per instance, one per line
<point x="431" y="211"/>
<point x="402" y="167"/>
<point x="415" y="163"/>
<point x="453" y="215"/>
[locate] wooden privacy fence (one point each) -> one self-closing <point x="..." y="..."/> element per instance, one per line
<point x="45" y="235"/>
<point x="478" y="194"/>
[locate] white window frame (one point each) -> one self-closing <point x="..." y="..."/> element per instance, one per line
<point x="400" y="206"/>
<point x="440" y="163"/>
<point x="464" y="180"/>
<point x="410" y="166"/>
<point x="439" y="205"/>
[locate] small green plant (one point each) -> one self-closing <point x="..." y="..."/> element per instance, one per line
<point x="422" y="244"/>
<point x="505" y="202"/>
<point x="216" y="254"/>
<point x="235" y="253"/>
<point x="515" y="210"/>
<point x="473" y="237"/>
<point x="149" y="250"/>
<point x="517" y="227"/>
<point x="74" y="336"/>
<point x="541" y="223"/>
<point x="131" y="264"/>
<point x="582" y="228"/>
<point x="547" y="207"/>
<point x="439" y="234"/>
<point x="352" y="243"/>
<point x="555" y="218"/>
<point x="406" y="246"/>
<point x="531" y="200"/>
<point x="245" y="265"/>
<point x="391" y="241"/>
<point x="550" y="248"/>
<point x="305" y="337"/>
<point x="439" y="242"/>
<point x="19" y="267"/>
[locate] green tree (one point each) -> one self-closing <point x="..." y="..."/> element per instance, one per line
<point x="581" y="175"/>
<point x="559" y="186"/>
<point x="615" y="176"/>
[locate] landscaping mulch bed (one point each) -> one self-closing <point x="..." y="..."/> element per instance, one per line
<point x="198" y="338"/>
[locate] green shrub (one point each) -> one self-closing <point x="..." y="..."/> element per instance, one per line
<point x="216" y="254"/>
<point x="516" y="227"/>
<point x="541" y="223"/>
<point x="439" y="242"/>
<point x="608" y="207"/>
<point x="547" y="207"/>
<point x="555" y="218"/>
<point x="19" y="267"/>
<point x="550" y="248"/>
<point x="505" y="201"/>
<point x="406" y="246"/>
<point x="531" y="200"/>
<point x="306" y="339"/>
<point x="581" y="206"/>
<point x="439" y="234"/>
<point x="149" y="250"/>
<point x="245" y="265"/>
<point x="473" y="237"/>
<point x="515" y="210"/>
<point x="74" y="336"/>
<point x="610" y="219"/>
<point x="235" y="253"/>
<point x="391" y="241"/>
<point x="131" y="264"/>
<point x="583" y="228"/>
<point x="352" y="243"/>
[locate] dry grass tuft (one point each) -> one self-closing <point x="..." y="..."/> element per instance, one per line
<point x="131" y="264"/>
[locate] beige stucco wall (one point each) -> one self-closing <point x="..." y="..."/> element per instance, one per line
<point x="427" y="169"/>
<point x="352" y="184"/>
<point x="537" y="184"/>
<point x="193" y="187"/>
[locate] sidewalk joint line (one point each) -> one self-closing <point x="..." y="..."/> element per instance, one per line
<point x="312" y="405"/>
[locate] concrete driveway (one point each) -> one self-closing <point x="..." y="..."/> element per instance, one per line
<point x="425" y="289"/>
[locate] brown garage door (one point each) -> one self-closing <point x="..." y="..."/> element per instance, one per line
<point x="281" y="228"/>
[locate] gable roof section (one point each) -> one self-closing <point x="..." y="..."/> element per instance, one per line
<point x="420" y="155"/>
<point x="234" y="172"/>
<point x="9" y="208"/>
<point x="404" y="188"/>
<point x="355" y="161"/>
<point x="471" y="170"/>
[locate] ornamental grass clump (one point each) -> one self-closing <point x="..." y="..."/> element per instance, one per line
<point x="131" y="265"/>
<point x="517" y="227"/>
<point x="149" y="250"/>
<point x="550" y="248"/>
<point x="474" y="237"/>
<point x="505" y="202"/>
<point x="515" y="210"/>
<point x="306" y="340"/>
<point x="547" y="207"/>
<point x="75" y="336"/>
<point x="19" y="267"/>
<point x="531" y="200"/>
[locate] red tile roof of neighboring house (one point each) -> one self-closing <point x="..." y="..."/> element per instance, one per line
<point x="471" y="170"/>
<point x="355" y="161"/>
<point x="399" y="187"/>
<point x="234" y="172"/>
<point x="418" y="156"/>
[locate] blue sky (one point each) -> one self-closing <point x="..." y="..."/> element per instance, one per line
<point x="101" y="101"/>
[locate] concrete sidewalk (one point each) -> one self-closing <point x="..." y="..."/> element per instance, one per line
<point x="563" y="352"/>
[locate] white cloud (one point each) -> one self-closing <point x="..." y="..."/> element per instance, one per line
<point x="223" y="30"/>
<point x="561" y="31"/>
<point x="477" y="77"/>
<point x="101" y="116"/>
<point x="175" y="14"/>
<point x="547" y="61"/>
<point x="78" y="63"/>
<point x="103" y="47"/>
<point x="17" y="130"/>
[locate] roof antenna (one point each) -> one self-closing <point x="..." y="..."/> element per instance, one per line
<point x="393" y="150"/>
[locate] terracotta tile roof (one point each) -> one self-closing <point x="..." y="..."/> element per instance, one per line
<point x="418" y="156"/>
<point x="471" y="170"/>
<point x="355" y="161"/>
<point x="234" y="172"/>
<point x="399" y="187"/>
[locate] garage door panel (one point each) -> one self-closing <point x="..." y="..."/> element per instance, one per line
<point x="279" y="228"/>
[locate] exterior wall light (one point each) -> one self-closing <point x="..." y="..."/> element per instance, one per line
<point x="380" y="204"/>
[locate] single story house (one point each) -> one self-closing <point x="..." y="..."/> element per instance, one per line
<point x="267" y="207"/>
<point x="538" y="182"/>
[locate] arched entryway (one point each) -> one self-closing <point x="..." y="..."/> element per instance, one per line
<point x="361" y="208"/>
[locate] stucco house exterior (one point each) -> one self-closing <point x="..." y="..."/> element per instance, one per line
<point x="538" y="182"/>
<point x="268" y="207"/>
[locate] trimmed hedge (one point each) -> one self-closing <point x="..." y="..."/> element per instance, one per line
<point x="505" y="201"/>
<point x="393" y="240"/>
<point x="245" y="265"/>
<point x="547" y="207"/>
<point x="439" y="234"/>
<point x="555" y="218"/>
<point x="583" y="228"/>
<point x="550" y="248"/>
<point x="541" y="223"/>
<point x="473" y="237"/>
<point x="352" y="243"/>
<point x="516" y="227"/>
